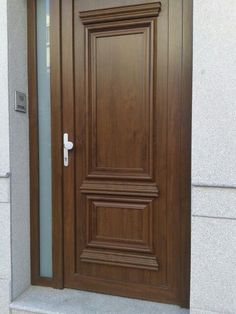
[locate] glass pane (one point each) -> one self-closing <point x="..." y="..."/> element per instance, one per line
<point x="44" y="125"/>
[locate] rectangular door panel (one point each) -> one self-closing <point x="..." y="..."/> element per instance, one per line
<point x="123" y="219"/>
<point x="119" y="91"/>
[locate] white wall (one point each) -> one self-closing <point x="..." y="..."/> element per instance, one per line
<point x="14" y="191"/>
<point x="19" y="147"/>
<point x="5" y="251"/>
<point x="213" y="274"/>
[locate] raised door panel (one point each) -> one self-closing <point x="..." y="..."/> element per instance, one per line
<point x="120" y="145"/>
<point x="120" y="223"/>
<point x="118" y="227"/>
<point x="119" y="57"/>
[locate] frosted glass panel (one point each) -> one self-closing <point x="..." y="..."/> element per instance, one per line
<point x="44" y="134"/>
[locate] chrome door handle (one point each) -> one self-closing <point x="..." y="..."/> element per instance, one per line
<point x="67" y="146"/>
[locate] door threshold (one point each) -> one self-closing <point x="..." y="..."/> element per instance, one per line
<point x="50" y="301"/>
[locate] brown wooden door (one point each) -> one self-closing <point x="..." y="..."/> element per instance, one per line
<point x="126" y="68"/>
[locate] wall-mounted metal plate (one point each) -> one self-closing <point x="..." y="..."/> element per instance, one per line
<point x="20" y="102"/>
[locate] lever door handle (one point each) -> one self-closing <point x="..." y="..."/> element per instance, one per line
<point x="67" y="146"/>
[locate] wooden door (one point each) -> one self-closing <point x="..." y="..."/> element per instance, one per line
<point x="126" y="68"/>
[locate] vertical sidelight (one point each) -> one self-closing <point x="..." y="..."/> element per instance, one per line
<point x="44" y="136"/>
<point x="45" y="111"/>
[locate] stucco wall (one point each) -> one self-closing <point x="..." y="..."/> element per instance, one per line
<point x="213" y="286"/>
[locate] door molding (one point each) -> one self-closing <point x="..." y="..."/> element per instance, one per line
<point x="186" y="144"/>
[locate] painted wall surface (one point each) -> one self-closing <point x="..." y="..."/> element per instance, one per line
<point x="213" y="286"/>
<point x="5" y="242"/>
<point x="14" y="151"/>
<point x="19" y="147"/>
<point x="4" y="116"/>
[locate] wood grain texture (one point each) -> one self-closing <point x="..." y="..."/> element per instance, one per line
<point x="120" y="54"/>
<point x="126" y="77"/>
<point x="120" y="188"/>
<point x="33" y="126"/>
<point x="122" y="223"/>
<point x="121" y="13"/>
<point x="57" y="133"/>
<point x="186" y="119"/>
<point x="68" y="95"/>
<point x="119" y="259"/>
<point x="121" y="75"/>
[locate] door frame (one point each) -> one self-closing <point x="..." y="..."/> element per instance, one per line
<point x="56" y="138"/>
<point x="62" y="72"/>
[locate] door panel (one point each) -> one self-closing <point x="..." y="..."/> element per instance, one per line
<point x="113" y="144"/>
<point x="122" y="208"/>
<point x="119" y="81"/>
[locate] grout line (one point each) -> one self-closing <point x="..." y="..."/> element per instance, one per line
<point x="214" y="217"/>
<point x="206" y="311"/>
<point x="204" y="185"/>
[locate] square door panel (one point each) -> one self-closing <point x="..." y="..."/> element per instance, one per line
<point x="119" y="223"/>
<point x="120" y="232"/>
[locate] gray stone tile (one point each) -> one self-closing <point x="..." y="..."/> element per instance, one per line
<point x="4" y="190"/>
<point x="214" y="202"/>
<point x="5" y="241"/>
<point x="198" y="311"/>
<point x="213" y="265"/>
<point x="46" y="300"/>
<point x="214" y="89"/>
<point x="22" y="312"/>
<point x="4" y="296"/>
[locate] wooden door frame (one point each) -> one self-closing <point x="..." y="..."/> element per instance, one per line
<point x="56" y="138"/>
<point x="63" y="95"/>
